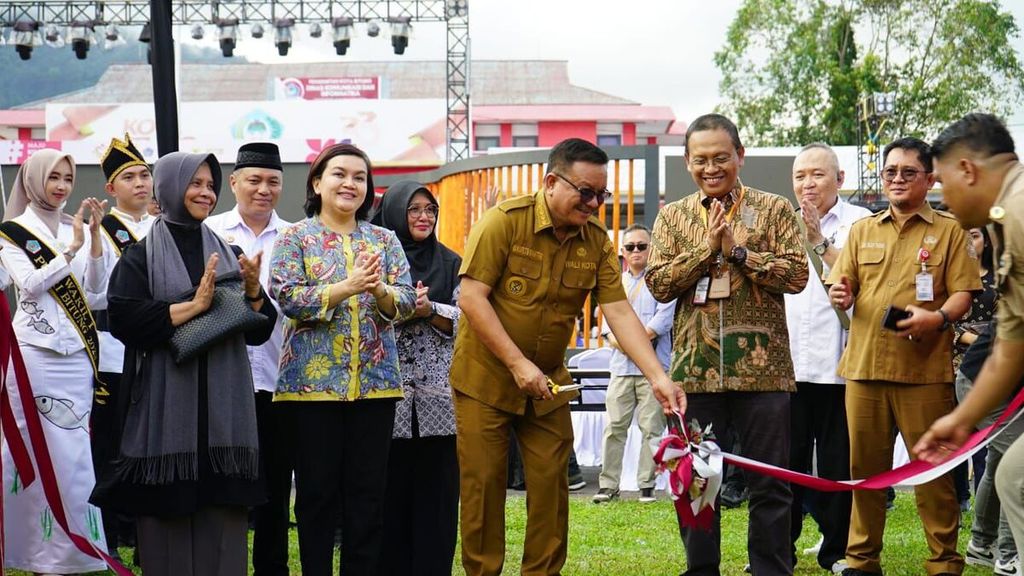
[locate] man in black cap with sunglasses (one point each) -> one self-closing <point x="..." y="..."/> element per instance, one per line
<point x="530" y="263"/>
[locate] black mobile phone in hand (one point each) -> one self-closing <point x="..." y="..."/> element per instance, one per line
<point x="892" y="316"/>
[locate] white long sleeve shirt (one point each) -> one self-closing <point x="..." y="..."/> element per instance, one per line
<point x="816" y="338"/>
<point x="111" y="349"/>
<point x="265" y="358"/>
<point x="40" y="320"/>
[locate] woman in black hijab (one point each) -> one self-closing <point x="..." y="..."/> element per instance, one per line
<point x="188" y="460"/>
<point x="421" y="515"/>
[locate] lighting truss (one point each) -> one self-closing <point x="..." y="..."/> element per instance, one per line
<point x="454" y="13"/>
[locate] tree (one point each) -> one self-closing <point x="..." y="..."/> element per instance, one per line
<point x="793" y="71"/>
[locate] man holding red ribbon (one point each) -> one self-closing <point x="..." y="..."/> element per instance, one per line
<point x="983" y="183"/>
<point x="914" y="259"/>
<point x="728" y="253"/>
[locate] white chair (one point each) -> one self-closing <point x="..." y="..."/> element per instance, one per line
<point x="596" y="359"/>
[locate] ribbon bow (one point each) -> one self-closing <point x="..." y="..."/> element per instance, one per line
<point x="694" y="463"/>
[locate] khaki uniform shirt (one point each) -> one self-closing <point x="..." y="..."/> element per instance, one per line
<point x="1009" y="230"/>
<point x="538" y="288"/>
<point x="739" y="343"/>
<point x="882" y="262"/>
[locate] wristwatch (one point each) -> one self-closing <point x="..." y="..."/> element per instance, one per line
<point x="738" y="256"/>
<point x="945" y="320"/>
<point x="821" y="247"/>
<point x="433" y="310"/>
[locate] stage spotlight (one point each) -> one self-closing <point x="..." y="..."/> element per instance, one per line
<point x="372" y="29"/>
<point x="400" y="28"/>
<point x="112" y="37"/>
<point x="257" y="30"/>
<point x="283" y="35"/>
<point x="25" y="37"/>
<point x="145" y="36"/>
<point x="228" y="35"/>
<point x="198" y="32"/>
<point x="53" y="37"/>
<point x="315" y="31"/>
<point x="342" y="34"/>
<point x="81" y="35"/>
<point x="456" y="8"/>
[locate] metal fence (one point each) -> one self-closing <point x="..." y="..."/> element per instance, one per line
<point x="465" y="189"/>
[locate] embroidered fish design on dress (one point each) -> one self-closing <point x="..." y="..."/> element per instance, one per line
<point x="38" y="323"/>
<point x="31" y="308"/>
<point x="60" y="413"/>
<point x="41" y="326"/>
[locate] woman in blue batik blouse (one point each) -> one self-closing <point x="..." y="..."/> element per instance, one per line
<point x="342" y="282"/>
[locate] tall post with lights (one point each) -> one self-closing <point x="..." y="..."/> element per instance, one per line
<point x="26" y="18"/>
<point x="873" y="112"/>
<point x="459" y="125"/>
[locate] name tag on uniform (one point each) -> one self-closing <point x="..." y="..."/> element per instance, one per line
<point x="700" y="292"/>
<point x="925" y="287"/>
<point x="720" y="285"/>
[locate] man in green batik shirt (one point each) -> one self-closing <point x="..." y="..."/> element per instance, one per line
<point x="727" y="253"/>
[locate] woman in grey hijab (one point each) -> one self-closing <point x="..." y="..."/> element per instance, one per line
<point x="188" y="462"/>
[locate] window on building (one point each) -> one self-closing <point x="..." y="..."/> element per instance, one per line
<point x="609" y="140"/>
<point x="485" y="142"/>
<point x="524" y="141"/>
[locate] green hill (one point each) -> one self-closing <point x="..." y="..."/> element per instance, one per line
<point x="54" y="71"/>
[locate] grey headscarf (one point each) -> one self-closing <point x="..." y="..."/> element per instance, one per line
<point x="160" y="438"/>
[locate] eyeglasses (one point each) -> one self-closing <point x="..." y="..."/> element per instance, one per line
<point x="701" y="162"/>
<point x="587" y="194"/>
<point x="417" y="211"/>
<point x="908" y="174"/>
<point x="638" y="247"/>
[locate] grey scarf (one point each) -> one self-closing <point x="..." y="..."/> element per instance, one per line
<point x="160" y="439"/>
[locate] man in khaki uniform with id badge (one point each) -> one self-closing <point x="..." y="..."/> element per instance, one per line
<point x="529" y="265"/>
<point x="910" y="272"/>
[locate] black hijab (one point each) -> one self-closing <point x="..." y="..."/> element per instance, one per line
<point x="430" y="262"/>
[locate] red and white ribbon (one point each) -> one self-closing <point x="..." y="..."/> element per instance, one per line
<point x="676" y="454"/>
<point x="21" y="454"/>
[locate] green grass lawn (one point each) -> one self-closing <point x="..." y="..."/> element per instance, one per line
<point x="628" y="538"/>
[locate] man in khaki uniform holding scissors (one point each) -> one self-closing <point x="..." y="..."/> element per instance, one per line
<point x="529" y="265"/>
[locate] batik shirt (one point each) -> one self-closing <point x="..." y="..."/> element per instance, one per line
<point x="425" y="353"/>
<point x="739" y="343"/>
<point x="347" y="352"/>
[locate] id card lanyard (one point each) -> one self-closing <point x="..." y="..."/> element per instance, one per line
<point x="714" y="288"/>
<point x="924" y="281"/>
<point x="717" y="285"/>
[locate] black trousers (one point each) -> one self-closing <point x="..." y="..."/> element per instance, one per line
<point x="818" y="423"/>
<point x="270" y="521"/>
<point x="341" y="460"/>
<point x="761" y="420"/>
<point x="105" y="442"/>
<point x="421" y="515"/>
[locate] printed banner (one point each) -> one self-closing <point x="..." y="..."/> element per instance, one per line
<point x="392" y="132"/>
<point x="327" y="88"/>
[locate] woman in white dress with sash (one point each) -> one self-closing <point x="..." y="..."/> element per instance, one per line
<point x="59" y="364"/>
